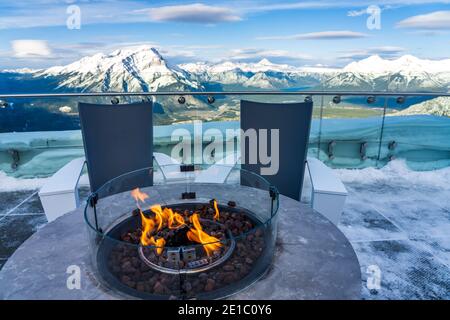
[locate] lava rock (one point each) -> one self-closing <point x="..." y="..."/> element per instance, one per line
<point x="187" y="286"/>
<point x="140" y="286"/>
<point x="203" y="276"/>
<point x="159" y="288"/>
<point x="210" y="284"/>
<point x="258" y="232"/>
<point x="228" y="267"/>
<point x="231" y="204"/>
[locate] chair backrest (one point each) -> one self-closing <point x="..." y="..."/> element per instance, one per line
<point x="293" y="120"/>
<point x="117" y="139"/>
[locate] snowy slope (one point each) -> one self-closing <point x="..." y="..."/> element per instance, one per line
<point x="263" y="74"/>
<point x="438" y="107"/>
<point x="407" y="63"/>
<point x="20" y="71"/>
<point x="261" y="66"/>
<point x="406" y="73"/>
<point x="132" y="69"/>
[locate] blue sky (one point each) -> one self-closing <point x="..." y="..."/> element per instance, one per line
<point x="35" y="33"/>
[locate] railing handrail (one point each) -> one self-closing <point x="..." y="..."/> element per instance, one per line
<point x="224" y="93"/>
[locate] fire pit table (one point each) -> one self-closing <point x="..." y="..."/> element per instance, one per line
<point x="158" y="233"/>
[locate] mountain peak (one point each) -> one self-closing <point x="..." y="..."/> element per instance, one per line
<point x="147" y="49"/>
<point x="407" y="63"/>
<point x="138" y="68"/>
<point x="265" y="62"/>
<point x="407" y="58"/>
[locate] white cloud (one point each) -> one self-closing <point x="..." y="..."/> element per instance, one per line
<point x="31" y="49"/>
<point x="356" y="13"/>
<point x="322" y="35"/>
<point x="193" y="13"/>
<point x="280" y="6"/>
<point x="254" y="53"/>
<point x="438" y="20"/>
<point x="383" y="51"/>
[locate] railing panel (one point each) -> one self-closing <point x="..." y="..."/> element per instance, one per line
<point x="39" y="135"/>
<point x="417" y="130"/>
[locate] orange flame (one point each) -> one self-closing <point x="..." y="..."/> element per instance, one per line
<point x="159" y="243"/>
<point x="148" y="225"/>
<point x="217" y="214"/>
<point x="139" y="196"/>
<point x="210" y="243"/>
<point x="159" y="215"/>
<point x="173" y="220"/>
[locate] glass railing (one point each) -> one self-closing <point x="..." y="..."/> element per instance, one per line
<point x="350" y="129"/>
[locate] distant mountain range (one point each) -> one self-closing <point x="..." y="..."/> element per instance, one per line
<point x="143" y="69"/>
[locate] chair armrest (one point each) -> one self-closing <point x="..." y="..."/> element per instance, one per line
<point x="328" y="192"/>
<point x="169" y="166"/>
<point x="218" y="172"/>
<point x="59" y="194"/>
<point x="323" y="179"/>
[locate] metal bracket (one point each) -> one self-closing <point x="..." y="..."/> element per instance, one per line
<point x="93" y="199"/>
<point x="273" y="192"/>
<point x="15" y="158"/>
<point x="174" y="256"/>
<point x="331" y="146"/>
<point x="392" y="145"/>
<point x="188" y="254"/>
<point x="188" y="195"/>
<point x="187" y="167"/>
<point x="362" y="151"/>
<point x="182" y="254"/>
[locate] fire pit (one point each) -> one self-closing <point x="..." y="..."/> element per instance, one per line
<point x="182" y="237"/>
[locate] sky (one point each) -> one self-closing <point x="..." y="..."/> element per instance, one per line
<point x="44" y="33"/>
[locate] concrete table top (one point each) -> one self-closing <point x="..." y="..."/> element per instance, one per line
<point x="313" y="260"/>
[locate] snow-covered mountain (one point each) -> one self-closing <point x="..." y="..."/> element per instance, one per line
<point x="407" y="63"/>
<point x="373" y="73"/>
<point x="263" y="74"/>
<point x="406" y="73"/>
<point x="132" y="69"/>
<point x="20" y="71"/>
<point x="438" y="107"/>
<point x="261" y="66"/>
<point x="144" y="69"/>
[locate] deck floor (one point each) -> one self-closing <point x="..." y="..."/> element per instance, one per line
<point x="395" y="221"/>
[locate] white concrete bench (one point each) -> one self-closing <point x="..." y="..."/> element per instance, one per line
<point x="169" y="166"/>
<point x="328" y="193"/>
<point x="218" y="172"/>
<point x="59" y="195"/>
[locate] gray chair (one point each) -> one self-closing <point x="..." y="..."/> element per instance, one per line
<point x="293" y="121"/>
<point x="117" y="139"/>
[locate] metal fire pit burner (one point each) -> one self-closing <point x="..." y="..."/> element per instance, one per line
<point x="193" y="266"/>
